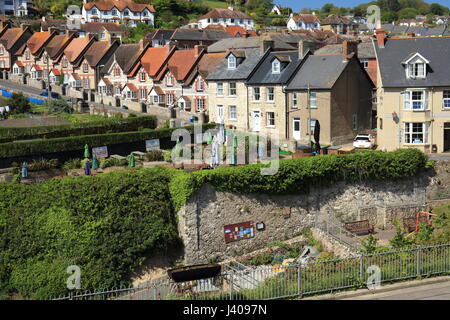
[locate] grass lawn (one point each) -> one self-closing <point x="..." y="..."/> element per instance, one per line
<point x="215" y="4"/>
<point x="444" y="209"/>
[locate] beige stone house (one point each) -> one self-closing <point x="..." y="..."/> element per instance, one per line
<point x="333" y="90"/>
<point x="413" y="93"/>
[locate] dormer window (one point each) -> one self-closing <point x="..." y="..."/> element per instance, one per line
<point x="169" y="80"/>
<point x="276" y="66"/>
<point x="85" y="68"/>
<point x="416" y="66"/>
<point x="231" y="62"/>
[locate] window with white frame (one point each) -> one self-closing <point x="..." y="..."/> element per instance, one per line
<point x="270" y="119"/>
<point x="415" y="100"/>
<point x="364" y="62"/>
<point x="114" y="12"/>
<point x="220" y="88"/>
<point x="116" y="72"/>
<point x="294" y="100"/>
<point x="354" y="122"/>
<point x="170" y="99"/>
<point x="232" y="112"/>
<point x="446" y="99"/>
<point x="312" y="125"/>
<point x="270" y="94"/>
<point x="2" y="52"/>
<point x="313" y="100"/>
<point x="118" y="91"/>
<point x="143" y="93"/>
<point x="169" y="80"/>
<point x="416" y="132"/>
<point x="256" y="94"/>
<point x="199" y="85"/>
<point x="86" y="83"/>
<point x="142" y="76"/>
<point x="231" y="62"/>
<point x="416" y="70"/>
<point x="276" y="66"/>
<point x="85" y="68"/>
<point x="232" y="89"/>
<point x="200" y="104"/>
<point x="64" y="63"/>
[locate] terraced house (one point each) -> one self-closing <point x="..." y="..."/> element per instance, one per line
<point x="226" y="17"/>
<point x="123" y="11"/>
<point x="31" y="52"/>
<point x="11" y="40"/>
<point x="413" y="93"/>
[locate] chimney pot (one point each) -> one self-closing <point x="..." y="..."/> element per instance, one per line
<point x="304" y="46"/>
<point x="266" y="44"/>
<point x="349" y="47"/>
<point x="198" y="49"/>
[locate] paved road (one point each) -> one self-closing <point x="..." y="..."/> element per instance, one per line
<point x="436" y="291"/>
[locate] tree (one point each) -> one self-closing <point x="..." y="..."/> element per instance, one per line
<point x="59" y="106"/>
<point x="407" y="13"/>
<point x="369" y="244"/>
<point x="388" y="17"/>
<point x="436" y="9"/>
<point x="400" y="240"/>
<point x="18" y="103"/>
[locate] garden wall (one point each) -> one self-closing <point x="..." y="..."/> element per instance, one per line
<point x="202" y="219"/>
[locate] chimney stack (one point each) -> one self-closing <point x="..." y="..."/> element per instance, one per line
<point x="52" y="30"/>
<point x="23" y="26"/>
<point x="381" y="37"/>
<point x="349" y="47"/>
<point x="170" y="46"/>
<point x="198" y="49"/>
<point x="264" y="44"/>
<point x="304" y="46"/>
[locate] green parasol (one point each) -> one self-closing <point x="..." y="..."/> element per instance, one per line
<point x="94" y="163"/>
<point x="131" y="162"/>
<point x="86" y="151"/>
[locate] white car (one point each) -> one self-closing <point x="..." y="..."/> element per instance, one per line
<point x="363" y="141"/>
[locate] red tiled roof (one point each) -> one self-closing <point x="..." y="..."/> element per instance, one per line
<point x="19" y="63"/>
<point x="158" y="90"/>
<point x="96" y="52"/>
<point x="11" y="36"/>
<point x="181" y="62"/>
<point x="37" y="68"/>
<point x="106" y="5"/>
<point x="153" y="59"/>
<point x="306" y="17"/>
<point x="226" y="13"/>
<point x="76" y="47"/>
<point x="57" y="44"/>
<point x="131" y="86"/>
<point x="107" y="82"/>
<point x="56" y="72"/>
<point x="75" y="76"/>
<point x="234" y="30"/>
<point x="37" y="40"/>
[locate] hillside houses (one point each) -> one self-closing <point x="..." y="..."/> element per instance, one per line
<point x="226" y="17"/>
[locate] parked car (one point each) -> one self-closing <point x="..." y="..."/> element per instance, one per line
<point x="54" y="95"/>
<point x="364" y="141"/>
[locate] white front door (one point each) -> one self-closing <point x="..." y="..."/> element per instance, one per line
<point x="219" y="111"/>
<point x="296" y="128"/>
<point x="256" y="120"/>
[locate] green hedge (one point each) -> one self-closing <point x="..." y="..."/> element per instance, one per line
<point x="109" y="125"/>
<point x="106" y="224"/>
<point x="299" y="175"/>
<point x="36" y="147"/>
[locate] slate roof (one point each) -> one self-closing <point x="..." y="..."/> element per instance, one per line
<point x="243" y="69"/>
<point x="57" y="44"/>
<point x="365" y="50"/>
<point x="125" y="55"/>
<point x="434" y="49"/>
<point x="95" y="27"/>
<point x="96" y="52"/>
<point x="226" y="13"/>
<point x="245" y="43"/>
<point x="335" y="19"/>
<point x="436" y="31"/>
<point x="318" y="72"/>
<point x="199" y="35"/>
<point x="160" y="34"/>
<point x="263" y="73"/>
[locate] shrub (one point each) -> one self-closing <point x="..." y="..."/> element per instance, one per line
<point x="112" y="162"/>
<point x="59" y="106"/>
<point x="77" y="129"/>
<point x="72" y="164"/>
<point x="167" y="155"/>
<point x="24" y="148"/>
<point x="18" y="103"/>
<point x="43" y="164"/>
<point x="154" y="155"/>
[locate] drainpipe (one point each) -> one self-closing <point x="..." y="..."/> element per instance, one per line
<point x="286" y="112"/>
<point x="248" y="115"/>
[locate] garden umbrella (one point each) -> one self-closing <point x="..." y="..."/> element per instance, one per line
<point x="86" y="151"/>
<point x="94" y="162"/>
<point x="317" y="136"/>
<point x="87" y="168"/>
<point x="131" y="162"/>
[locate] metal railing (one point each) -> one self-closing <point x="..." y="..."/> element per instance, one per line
<point x="340" y="234"/>
<point x="278" y="282"/>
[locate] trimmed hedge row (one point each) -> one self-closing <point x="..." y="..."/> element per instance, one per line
<point x="107" y="225"/>
<point x="77" y="129"/>
<point x="36" y="147"/>
<point x="296" y="176"/>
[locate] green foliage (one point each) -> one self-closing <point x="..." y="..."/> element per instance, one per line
<point x="154" y="155"/>
<point x="369" y="244"/>
<point x="107" y="225"/>
<point x="112" y="162"/>
<point x="399" y="240"/>
<point x="23" y="148"/>
<point x="167" y="155"/>
<point x="57" y="106"/>
<point x="134" y="34"/>
<point x="72" y="164"/>
<point x="18" y="104"/>
<point x="99" y="126"/>
<point x="43" y="164"/>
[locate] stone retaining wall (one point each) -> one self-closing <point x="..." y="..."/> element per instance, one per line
<point x="330" y="244"/>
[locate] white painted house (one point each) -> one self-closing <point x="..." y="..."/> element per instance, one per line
<point x="303" y="22"/>
<point x="122" y="11"/>
<point x="18" y="8"/>
<point x="227" y="17"/>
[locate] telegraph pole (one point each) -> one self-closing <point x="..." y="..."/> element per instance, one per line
<point x="48" y="80"/>
<point x="309" y="111"/>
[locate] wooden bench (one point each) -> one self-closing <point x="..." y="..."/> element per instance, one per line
<point x="359" y="227"/>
